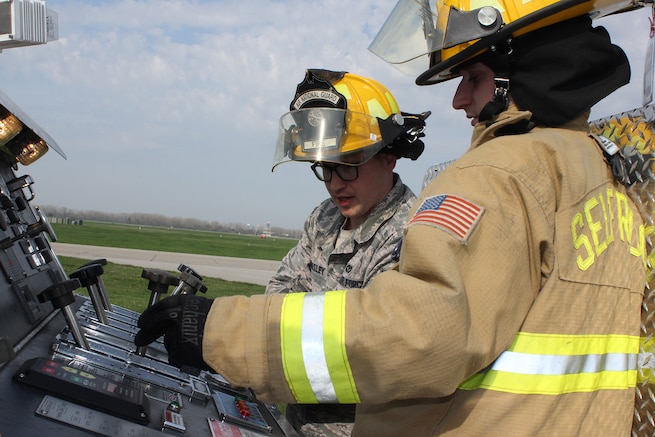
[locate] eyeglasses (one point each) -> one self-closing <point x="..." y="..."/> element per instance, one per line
<point x="345" y="172"/>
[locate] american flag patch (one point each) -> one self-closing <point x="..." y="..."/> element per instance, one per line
<point x="450" y="213"/>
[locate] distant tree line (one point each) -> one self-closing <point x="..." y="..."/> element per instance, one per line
<point x="144" y="219"/>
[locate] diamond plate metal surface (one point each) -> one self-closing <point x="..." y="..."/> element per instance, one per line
<point x="634" y="132"/>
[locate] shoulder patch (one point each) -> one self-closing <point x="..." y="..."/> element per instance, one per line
<point x="451" y="213"/>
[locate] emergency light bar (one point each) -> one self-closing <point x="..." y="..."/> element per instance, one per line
<point x="26" y="22"/>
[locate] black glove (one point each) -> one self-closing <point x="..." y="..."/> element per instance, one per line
<point x="181" y="320"/>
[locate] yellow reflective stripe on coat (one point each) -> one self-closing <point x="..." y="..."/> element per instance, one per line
<point x="557" y="364"/>
<point x="646" y="364"/>
<point x="313" y="343"/>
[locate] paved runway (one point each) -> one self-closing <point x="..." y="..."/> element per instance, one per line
<point x="252" y="271"/>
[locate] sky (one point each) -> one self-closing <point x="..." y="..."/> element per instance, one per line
<point x="171" y="107"/>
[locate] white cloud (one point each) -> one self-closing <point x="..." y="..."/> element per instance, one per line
<point x="171" y="107"/>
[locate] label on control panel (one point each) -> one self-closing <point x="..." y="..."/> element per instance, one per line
<point x="173" y="421"/>
<point x="90" y="420"/>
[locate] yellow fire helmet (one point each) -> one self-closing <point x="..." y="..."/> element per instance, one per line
<point x="431" y="39"/>
<point x="344" y="118"/>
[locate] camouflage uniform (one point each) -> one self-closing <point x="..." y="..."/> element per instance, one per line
<point x="315" y="264"/>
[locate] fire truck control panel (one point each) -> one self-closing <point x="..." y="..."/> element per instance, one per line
<point x="68" y="363"/>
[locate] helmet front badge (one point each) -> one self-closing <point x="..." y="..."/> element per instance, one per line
<point x="315" y="118"/>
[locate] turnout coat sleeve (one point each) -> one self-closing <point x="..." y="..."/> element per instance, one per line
<point x="456" y="300"/>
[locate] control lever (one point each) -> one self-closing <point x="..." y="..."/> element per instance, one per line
<point x="88" y="276"/>
<point x="104" y="296"/>
<point x="187" y="269"/>
<point x="158" y="283"/>
<point x="61" y="296"/>
<point x="43" y="225"/>
<point x="190" y="282"/>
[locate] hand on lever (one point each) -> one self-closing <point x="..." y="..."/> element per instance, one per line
<point x="181" y="320"/>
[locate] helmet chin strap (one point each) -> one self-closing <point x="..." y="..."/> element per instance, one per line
<point x="500" y="101"/>
<point x="499" y="104"/>
<point x="498" y="61"/>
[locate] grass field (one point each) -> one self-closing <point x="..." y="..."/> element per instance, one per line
<point x="174" y="240"/>
<point x="125" y="285"/>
